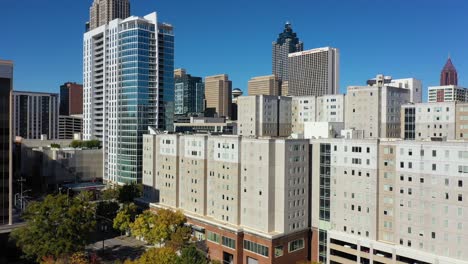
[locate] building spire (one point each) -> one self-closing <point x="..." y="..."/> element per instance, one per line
<point x="449" y="75"/>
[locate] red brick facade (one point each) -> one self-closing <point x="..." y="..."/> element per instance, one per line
<point x="217" y="251"/>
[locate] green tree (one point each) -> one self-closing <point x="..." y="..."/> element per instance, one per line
<point x="110" y="194"/>
<point x="129" y="192"/>
<point x="125" y="217"/>
<point x="143" y="225"/>
<point x="191" y="255"/>
<point x="163" y="255"/>
<point x="167" y="222"/>
<point x="179" y="237"/>
<point x="55" y="145"/>
<point x="76" y="144"/>
<point x="57" y="226"/>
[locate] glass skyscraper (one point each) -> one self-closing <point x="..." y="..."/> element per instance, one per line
<point x="287" y="42"/>
<point x="126" y="90"/>
<point x="189" y="93"/>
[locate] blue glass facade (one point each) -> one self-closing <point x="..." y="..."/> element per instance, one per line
<point x="166" y="76"/>
<point x="137" y="96"/>
<point x="190" y="92"/>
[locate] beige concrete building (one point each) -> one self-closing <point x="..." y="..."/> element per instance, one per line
<point x="264" y="85"/>
<point x="247" y="197"/>
<point x="284" y="88"/>
<point x="375" y="109"/>
<point x="447" y="93"/>
<point x="264" y="115"/>
<point x="104" y="11"/>
<point x="218" y="95"/>
<point x="303" y="110"/>
<point x="331" y="108"/>
<point x="461" y="121"/>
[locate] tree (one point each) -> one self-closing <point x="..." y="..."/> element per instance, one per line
<point x="191" y="255"/>
<point x="76" y="144"/>
<point x="129" y="192"/>
<point x="107" y="209"/>
<point x="110" y="194"/>
<point x="143" y="225"/>
<point x="55" y="227"/>
<point x="179" y="237"/>
<point x="55" y="145"/>
<point x="125" y="217"/>
<point x="163" y="255"/>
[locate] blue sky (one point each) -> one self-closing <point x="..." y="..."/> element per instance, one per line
<point x="401" y="38"/>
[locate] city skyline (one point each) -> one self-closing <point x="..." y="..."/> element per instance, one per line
<point x="421" y="53"/>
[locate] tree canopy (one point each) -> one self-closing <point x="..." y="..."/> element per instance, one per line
<point x="129" y="192"/>
<point x="90" y="144"/>
<point x="191" y="255"/>
<point x="59" y="225"/>
<point x="125" y="217"/>
<point x="163" y="255"/>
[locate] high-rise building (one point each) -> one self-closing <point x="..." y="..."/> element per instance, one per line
<point x="69" y="126"/>
<point x="375" y="109"/>
<point x="6" y="142"/>
<point x="218" y="95"/>
<point x="313" y="72"/>
<point x="189" y="93"/>
<point x="264" y="115"/>
<point x="447" y="93"/>
<point x="264" y="85"/>
<point x="104" y="11"/>
<point x="128" y="73"/>
<point x="448" y="75"/>
<point x="36" y="115"/>
<point x="71" y="99"/>
<point x="166" y="76"/>
<point x="287" y="42"/>
<point x="246" y="197"/>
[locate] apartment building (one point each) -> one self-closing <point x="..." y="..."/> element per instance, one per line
<point x="36" y="115"/>
<point x="447" y="93"/>
<point x="375" y="109"/>
<point x="389" y="201"/>
<point x="69" y="126"/>
<point x="266" y="85"/>
<point x="247" y="197"/>
<point x="461" y="127"/>
<point x="303" y="110"/>
<point x="264" y="115"/>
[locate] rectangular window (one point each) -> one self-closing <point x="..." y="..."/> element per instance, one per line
<point x="296" y="245"/>
<point x="229" y="242"/>
<point x="256" y="248"/>
<point x="213" y="237"/>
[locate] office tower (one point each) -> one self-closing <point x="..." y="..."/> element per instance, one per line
<point x="236" y="92"/>
<point x="189" y="93"/>
<point x="375" y="109"/>
<point x="448" y="75"/>
<point x="166" y="75"/>
<point x="218" y="95"/>
<point x="6" y="142"/>
<point x="71" y="99"/>
<point x="313" y="72"/>
<point x="104" y="11"/>
<point x="36" y="115"/>
<point x="447" y="93"/>
<point x="264" y="85"/>
<point x="247" y="197"/>
<point x="69" y="126"/>
<point x="264" y="115"/>
<point x="284" y="88"/>
<point x="287" y="42"/>
<point x="125" y="85"/>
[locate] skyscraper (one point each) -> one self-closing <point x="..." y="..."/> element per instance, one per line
<point x="71" y="99"/>
<point x="36" y="114"/>
<point x="128" y="68"/>
<point x="166" y="75"/>
<point x="104" y="11"/>
<point x="189" y="93"/>
<point x="314" y="72"/>
<point x="264" y="85"/>
<point x="6" y="141"/>
<point x="287" y="42"/>
<point x="449" y="75"/>
<point x="218" y="95"/>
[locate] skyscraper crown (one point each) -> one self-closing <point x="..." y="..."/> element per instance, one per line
<point x="288" y="33"/>
<point x="449" y="75"/>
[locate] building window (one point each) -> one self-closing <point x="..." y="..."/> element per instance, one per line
<point x="213" y="237"/>
<point x="279" y="251"/>
<point x="229" y="242"/>
<point x="296" y="245"/>
<point x="256" y="248"/>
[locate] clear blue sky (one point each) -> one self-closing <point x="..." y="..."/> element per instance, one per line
<point x="401" y="38"/>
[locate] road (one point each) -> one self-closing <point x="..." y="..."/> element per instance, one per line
<point x="117" y="248"/>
